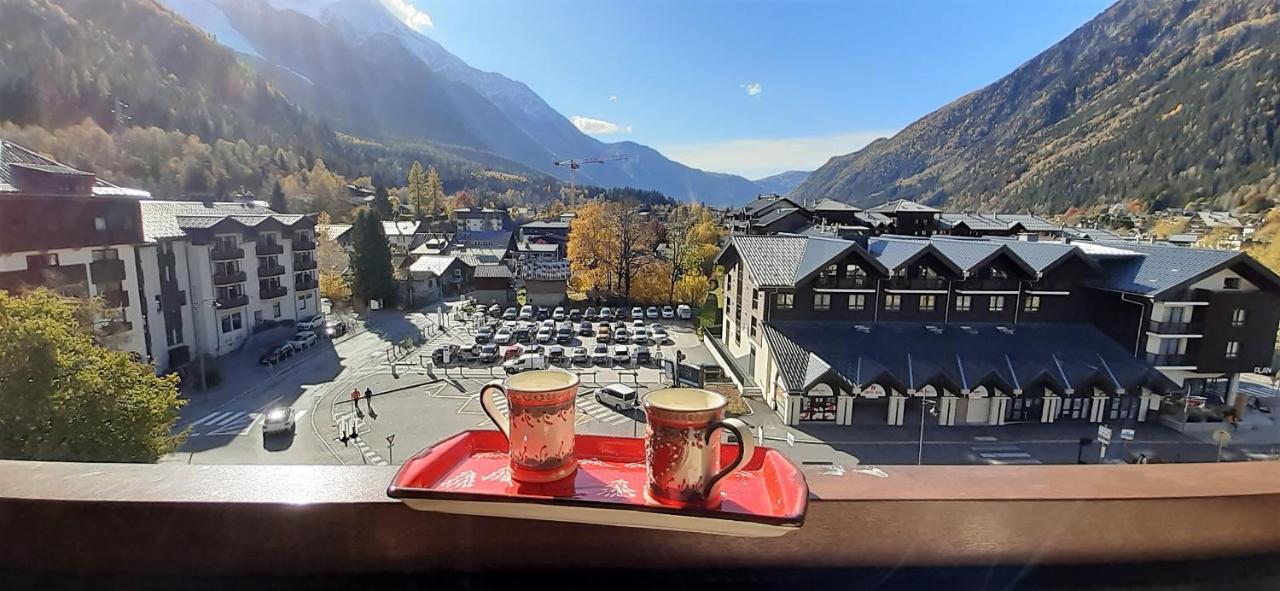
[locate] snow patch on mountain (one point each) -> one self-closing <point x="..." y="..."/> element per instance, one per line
<point x="210" y="19"/>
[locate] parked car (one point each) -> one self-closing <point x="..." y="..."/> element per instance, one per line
<point x="637" y="325"/>
<point x="549" y="323"/>
<point x="621" y="336"/>
<point x="543" y="313"/>
<point x="652" y="313"/>
<point x="584" y="329"/>
<point x="606" y="314"/>
<point x="303" y="339"/>
<point x="684" y="312"/>
<point x="591" y="313"/>
<point x="558" y="315"/>
<point x="637" y="312"/>
<point x="545" y="335"/>
<point x="311" y="323"/>
<point x="668" y="313"/>
<point x="525" y="362"/>
<point x="446" y="354"/>
<point x="504" y="336"/>
<point x="618" y="396"/>
<point x="334" y="329"/>
<point x="619" y="324"/>
<point x="280" y="419"/>
<point x="470" y="355"/>
<point x="575" y="315"/>
<point x="642" y="356"/>
<point x="488" y="353"/>
<point x="484" y="335"/>
<point x="658" y="334"/>
<point x="621" y="354"/>
<point x="555" y="354"/>
<point x="524" y="334"/>
<point x="640" y="337"/>
<point x="276" y="354"/>
<point x="495" y="311"/>
<point x="600" y="355"/>
<point x="564" y="335"/>
<point x="604" y="334"/>
<point x="580" y="355"/>
<point x="526" y="313"/>
<point x="510" y="313"/>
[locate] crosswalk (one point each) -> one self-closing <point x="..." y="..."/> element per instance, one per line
<point x="589" y="409"/>
<point x="1003" y="454"/>
<point x="229" y="423"/>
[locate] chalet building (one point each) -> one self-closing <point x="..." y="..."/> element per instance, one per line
<point x="493" y="284"/>
<point x="558" y="231"/>
<point x="835" y="213"/>
<point x="991" y="330"/>
<point x="451" y="274"/>
<point x="401" y="234"/>
<point x="217" y="272"/>
<point x="997" y="224"/>
<point x="78" y="235"/>
<point x="546" y="282"/>
<point x="480" y="219"/>
<point x="908" y="218"/>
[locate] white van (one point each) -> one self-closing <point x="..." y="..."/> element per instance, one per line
<point x="684" y="312"/>
<point x="526" y="362"/>
<point x="618" y="396"/>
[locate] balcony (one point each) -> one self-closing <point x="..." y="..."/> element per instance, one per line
<point x="917" y="283"/>
<point x="1165" y="327"/>
<point x="228" y="278"/>
<point x="80" y="521"/>
<point x="1170" y="359"/>
<point x="267" y="248"/>
<point x="305" y="283"/>
<point x="304" y="265"/>
<point x="303" y="243"/>
<point x="116" y="298"/>
<point x="270" y="292"/>
<point x="1049" y="285"/>
<point x="270" y="270"/>
<point x="226" y="254"/>
<point x="112" y="327"/>
<point x="838" y="283"/>
<point x="107" y="270"/>
<point x="1197" y="296"/>
<point x="988" y="284"/>
<point x="234" y="301"/>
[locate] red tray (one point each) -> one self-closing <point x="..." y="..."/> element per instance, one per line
<point x="468" y="474"/>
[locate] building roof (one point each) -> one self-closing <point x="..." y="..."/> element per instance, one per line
<point x="544" y="225"/>
<point x="777" y="214"/>
<point x="871" y="218"/>
<point x="831" y="205"/>
<point x="545" y="270"/>
<point x="1029" y="222"/>
<point x="902" y="205"/>
<point x="910" y="356"/>
<point x="333" y="231"/>
<point x="493" y="271"/>
<point x="1154" y="269"/>
<point x="484" y="238"/>
<point x="764" y="204"/>
<point x="1219" y="219"/>
<point x="400" y="228"/>
<point x="973" y="221"/>
<point x="435" y="264"/>
<point x="478" y="212"/>
<point x="12" y="155"/>
<point x="784" y="260"/>
<point x="172" y="219"/>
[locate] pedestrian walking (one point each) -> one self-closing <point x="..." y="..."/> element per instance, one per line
<point x="368" y="398"/>
<point x="355" y="398"/>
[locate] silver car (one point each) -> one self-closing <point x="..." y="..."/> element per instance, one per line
<point x="280" y="419"/>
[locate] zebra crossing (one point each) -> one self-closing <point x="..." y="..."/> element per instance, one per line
<point x="1003" y="454"/>
<point x="588" y="409"/>
<point x="229" y="423"/>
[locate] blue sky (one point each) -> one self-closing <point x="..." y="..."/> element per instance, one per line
<point x="749" y="87"/>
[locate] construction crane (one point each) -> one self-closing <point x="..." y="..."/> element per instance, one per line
<point x="574" y="165"/>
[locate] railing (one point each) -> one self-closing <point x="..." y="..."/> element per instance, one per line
<point x="304" y="265"/>
<point x="270" y="270"/>
<point x="988" y="284"/>
<point x="934" y="283"/>
<point x="227" y="254"/>
<point x="117" y="298"/>
<point x="303" y="244"/>
<point x="305" y="283"/>
<point x="267" y="248"/>
<point x="228" y="302"/>
<point x="1049" y="285"/>
<point x="828" y="282"/>
<point x="228" y="278"/>
<point x="1169" y="327"/>
<point x="85" y="520"/>
<point x="1170" y="359"/>
<point x="106" y="270"/>
<point x="273" y="291"/>
<point x="1190" y="295"/>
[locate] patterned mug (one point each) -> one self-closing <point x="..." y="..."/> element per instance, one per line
<point x="682" y="446"/>
<point x="540" y="428"/>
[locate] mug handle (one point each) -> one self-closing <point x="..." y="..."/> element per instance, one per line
<point x="746" y="449"/>
<point x="491" y="408"/>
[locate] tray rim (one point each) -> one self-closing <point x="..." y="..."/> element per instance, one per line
<point x="789" y="522"/>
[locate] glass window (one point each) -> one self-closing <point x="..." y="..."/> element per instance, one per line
<point x="857" y="301"/>
<point x="108" y="254"/>
<point x="892" y="302"/>
<point x="927" y="302"/>
<point x="753" y="329"/>
<point x="1237" y="317"/>
<point x="1233" y="349"/>
<point x="997" y="303"/>
<point x="1231" y="283"/>
<point x="821" y="301"/>
<point x="100" y="224"/>
<point x="758" y="300"/>
<point x="785" y="301"/>
<point x="997" y="273"/>
<point x="275" y="310"/>
<point x="1031" y="304"/>
<point x="829" y="271"/>
<point x="963" y="302"/>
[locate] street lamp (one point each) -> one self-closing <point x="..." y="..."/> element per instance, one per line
<point x="195" y="321"/>
<point x="927" y="407"/>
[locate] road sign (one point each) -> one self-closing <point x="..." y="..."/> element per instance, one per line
<point x="1104" y="434"/>
<point x="1126" y="434"/>
<point x="391" y="439"/>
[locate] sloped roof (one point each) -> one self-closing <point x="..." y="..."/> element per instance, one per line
<point x="778" y="214"/>
<point x="400" y="228"/>
<point x="493" y="271"/>
<point x="872" y="218"/>
<point x="829" y="204"/>
<point x="782" y="260"/>
<point x="437" y="264"/>
<point x="902" y="205"/>
<point x="170" y="219"/>
<point x="973" y="221"/>
<point x="1029" y="222"/>
<point x="12" y="154"/>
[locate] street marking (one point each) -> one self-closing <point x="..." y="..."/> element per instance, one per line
<point x="1004" y="455"/>
<point x="209" y="418"/>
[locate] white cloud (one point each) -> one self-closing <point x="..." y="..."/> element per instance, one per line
<point x="753" y="89"/>
<point x="758" y="158"/>
<point x="613" y="98"/>
<point x="598" y="126"/>
<point x="407" y="12"/>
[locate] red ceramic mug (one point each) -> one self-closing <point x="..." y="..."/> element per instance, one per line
<point x="682" y="446"/>
<point x="540" y="430"/>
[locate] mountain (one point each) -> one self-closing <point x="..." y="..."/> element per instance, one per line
<point x="360" y="66"/>
<point x="1166" y="101"/>
<point x="783" y="182"/>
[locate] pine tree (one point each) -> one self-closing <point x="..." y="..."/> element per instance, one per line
<point x="382" y="203"/>
<point x="417" y="185"/>
<point x="435" y="191"/>
<point x="371" y="260"/>
<point x="277" y="199"/>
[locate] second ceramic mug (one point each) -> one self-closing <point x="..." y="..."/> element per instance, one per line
<point x="682" y="446"/>
<point x="540" y="429"/>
